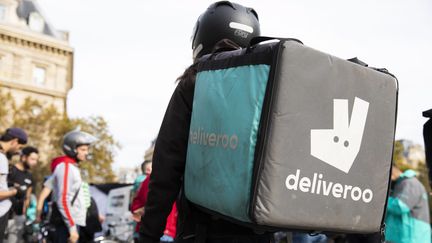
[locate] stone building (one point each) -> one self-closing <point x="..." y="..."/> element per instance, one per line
<point x="36" y="60"/>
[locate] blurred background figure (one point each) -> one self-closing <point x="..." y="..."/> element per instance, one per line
<point x="407" y="219"/>
<point x="138" y="209"/>
<point x="146" y="168"/>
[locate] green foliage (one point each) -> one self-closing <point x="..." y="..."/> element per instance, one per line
<point x="46" y="127"/>
<point x="7" y="104"/>
<point x="398" y="155"/>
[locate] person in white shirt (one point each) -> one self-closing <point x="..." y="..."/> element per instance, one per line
<point x="11" y="143"/>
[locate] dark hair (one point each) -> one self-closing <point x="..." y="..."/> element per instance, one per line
<point x="221" y="46"/>
<point x="29" y="150"/>
<point x="6" y="138"/>
<point x="189" y="73"/>
<point x="144" y="164"/>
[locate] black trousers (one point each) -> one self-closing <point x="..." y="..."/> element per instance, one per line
<point x="3" y="225"/>
<point x="60" y="235"/>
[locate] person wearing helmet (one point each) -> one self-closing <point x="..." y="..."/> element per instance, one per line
<point x="224" y="26"/>
<point x="11" y="143"/>
<point x="70" y="203"/>
<point x="224" y="20"/>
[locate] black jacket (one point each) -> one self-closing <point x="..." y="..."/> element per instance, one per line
<point x="166" y="180"/>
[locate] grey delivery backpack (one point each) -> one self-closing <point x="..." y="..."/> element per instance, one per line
<point x="283" y="136"/>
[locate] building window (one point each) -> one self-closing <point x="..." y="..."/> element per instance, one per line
<point x="2" y="12"/>
<point x="39" y="75"/>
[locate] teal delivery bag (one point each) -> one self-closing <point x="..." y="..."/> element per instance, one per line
<point x="283" y="136"/>
<point x="229" y="95"/>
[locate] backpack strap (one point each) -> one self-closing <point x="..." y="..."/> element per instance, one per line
<point x="256" y="40"/>
<point x="76" y="195"/>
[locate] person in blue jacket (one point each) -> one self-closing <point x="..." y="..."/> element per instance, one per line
<point x="407" y="219"/>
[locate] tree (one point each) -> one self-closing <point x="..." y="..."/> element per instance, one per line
<point x="399" y="159"/>
<point x="46" y="127"/>
<point x="7" y="105"/>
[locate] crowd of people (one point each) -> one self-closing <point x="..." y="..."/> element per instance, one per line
<point x="72" y="215"/>
<point x="160" y="208"/>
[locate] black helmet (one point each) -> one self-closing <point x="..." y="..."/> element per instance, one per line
<point x="74" y="139"/>
<point x="224" y="20"/>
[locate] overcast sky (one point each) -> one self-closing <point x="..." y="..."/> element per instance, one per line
<point x="128" y="53"/>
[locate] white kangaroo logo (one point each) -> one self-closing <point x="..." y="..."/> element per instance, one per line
<point x="339" y="146"/>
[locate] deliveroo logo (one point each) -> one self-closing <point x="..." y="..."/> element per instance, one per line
<point x="339" y="146"/>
